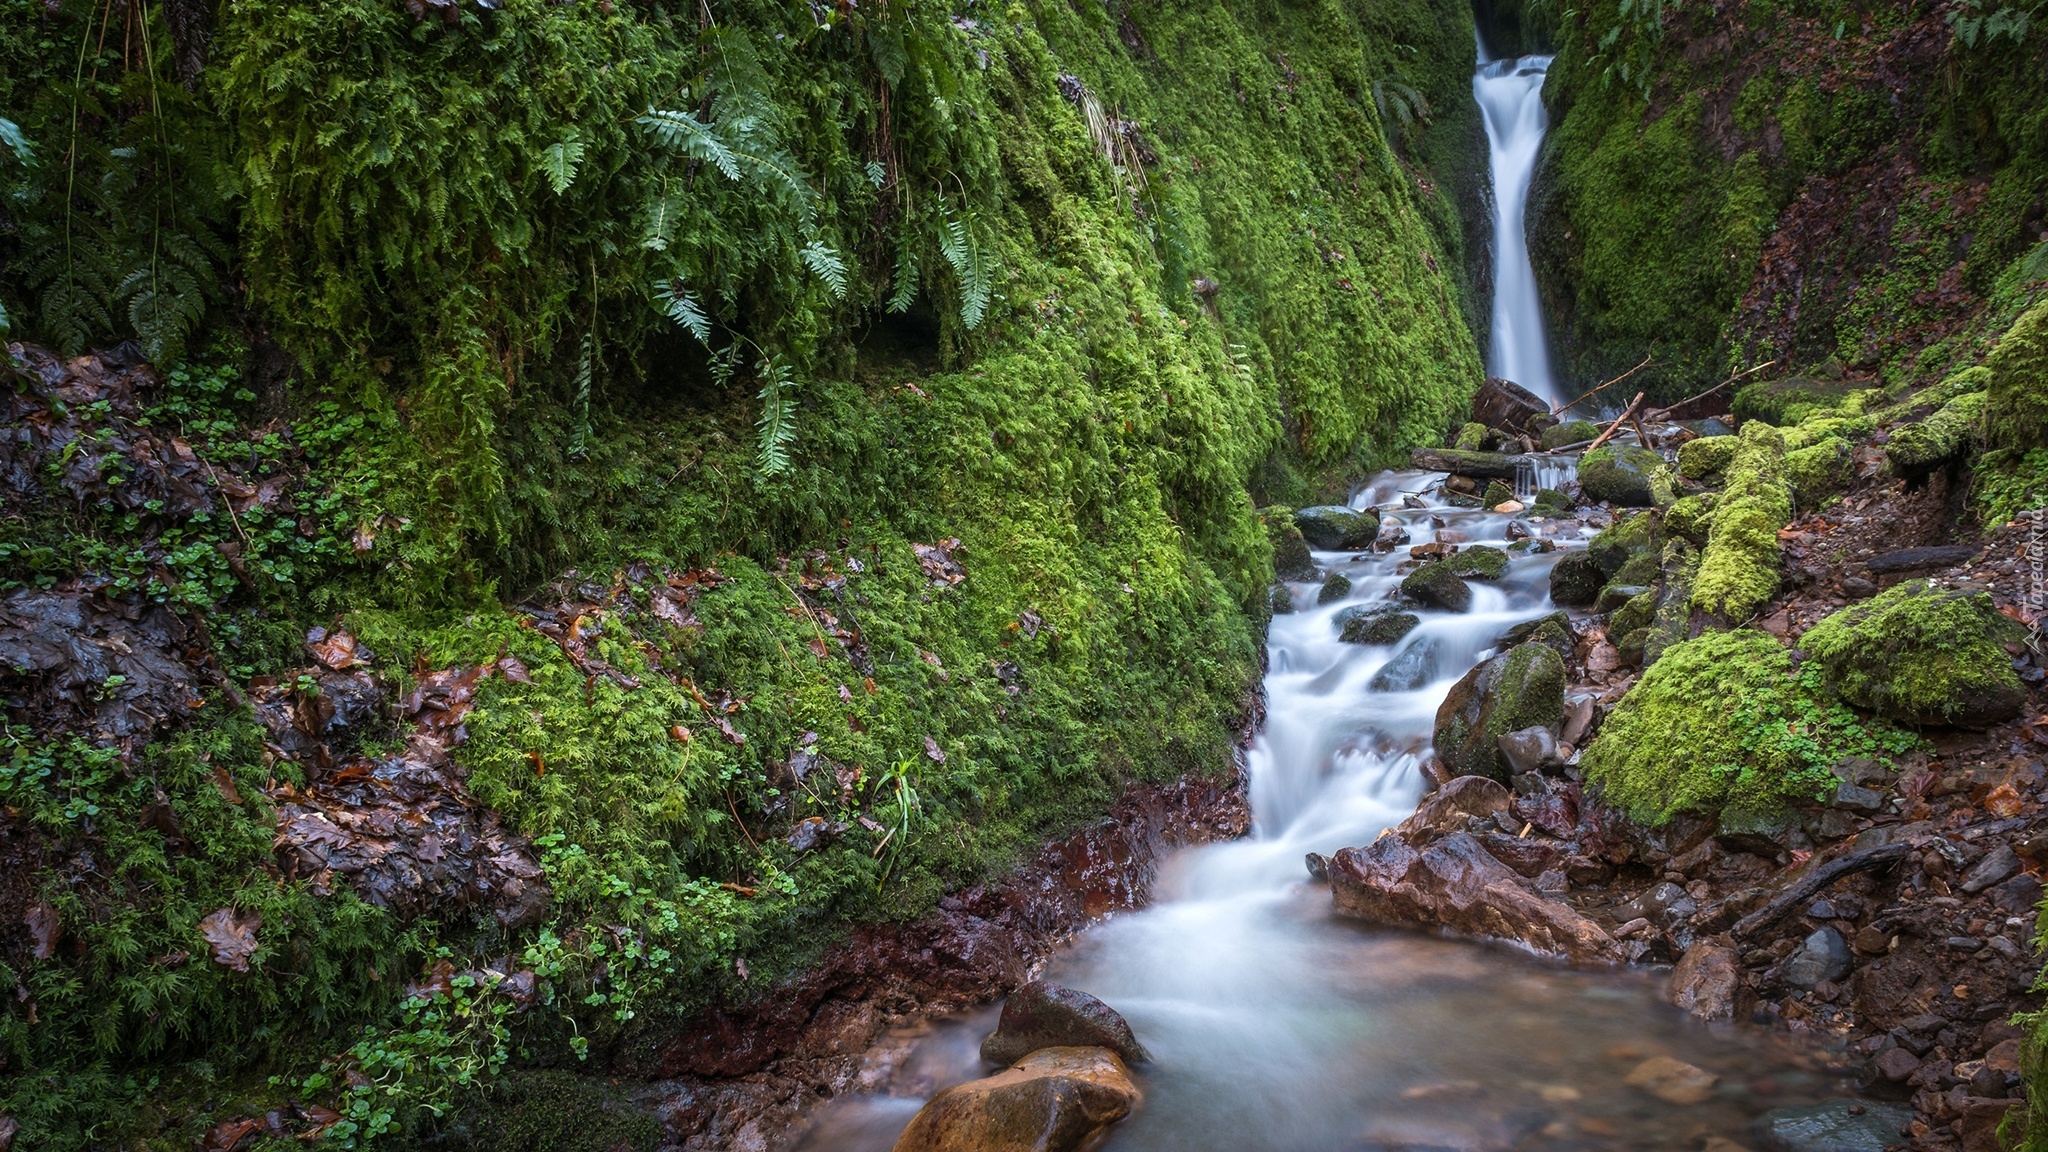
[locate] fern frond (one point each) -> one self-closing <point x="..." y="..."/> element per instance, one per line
<point x="579" y="437"/>
<point x="165" y="302"/>
<point x="10" y="135"/>
<point x="560" y="161"/>
<point x="692" y="137"/>
<point x="827" y="266"/>
<point x="956" y="244"/>
<point x="904" y="280"/>
<point x="677" y="305"/>
<point x="777" y="422"/>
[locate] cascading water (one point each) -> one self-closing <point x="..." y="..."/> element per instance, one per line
<point x="1510" y="96"/>
<point x="1277" y="1027"/>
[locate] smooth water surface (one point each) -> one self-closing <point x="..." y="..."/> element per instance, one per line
<point x="1275" y="1025"/>
<point x="1510" y="95"/>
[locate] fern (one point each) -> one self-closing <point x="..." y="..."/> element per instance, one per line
<point x="827" y="266"/>
<point x="904" y="279"/>
<point x="690" y="136"/>
<point x="679" y="307"/>
<point x="560" y="161"/>
<point x="957" y="245"/>
<point x="777" y="422"/>
<point x="10" y="135"/>
<point x="579" y="437"/>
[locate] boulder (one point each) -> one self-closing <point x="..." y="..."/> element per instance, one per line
<point x="1528" y="749"/>
<point x="1840" y="1125"/>
<point x="1448" y="808"/>
<point x="1496" y="494"/>
<point x="1576" y="580"/>
<point x="1554" y="630"/>
<point x="1506" y="404"/>
<point x="1480" y="562"/>
<point x="1045" y="1015"/>
<point x="1381" y="624"/>
<point x="1520" y="688"/>
<point x="1411" y="668"/>
<point x="1291" y="559"/>
<point x="1337" y="587"/>
<point x="1705" y="981"/>
<point x="1922" y="654"/>
<point x="1335" y="528"/>
<point x="1436" y="585"/>
<point x="1053" y="1100"/>
<point x="1620" y="474"/>
<point x="1455" y="884"/>
<point x="1570" y="432"/>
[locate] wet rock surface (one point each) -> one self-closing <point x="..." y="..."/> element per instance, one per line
<point x="1045" y="1015"/>
<point x="1054" y="1100"/>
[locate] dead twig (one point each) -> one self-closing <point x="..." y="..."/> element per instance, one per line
<point x="1658" y="413"/>
<point x="1803" y="889"/>
<point x="1618" y="421"/>
<point x="1602" y="388"/>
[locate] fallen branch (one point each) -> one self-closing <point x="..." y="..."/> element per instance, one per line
<point x="1804" y="888"/>
<point x="1659" y="413"/>
<point x="1603" y="387"/>
<point x="1618" y="421"/>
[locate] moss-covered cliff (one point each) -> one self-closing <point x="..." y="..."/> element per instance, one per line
<point x="893" y="383"/>
<point x="1857" y="183"/>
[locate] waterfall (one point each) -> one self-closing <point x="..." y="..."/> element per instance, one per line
<point x="1510" y="96"/>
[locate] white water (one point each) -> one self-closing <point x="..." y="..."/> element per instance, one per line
<point x="1276" y="1026"/>
<point x="1510" y="95"/>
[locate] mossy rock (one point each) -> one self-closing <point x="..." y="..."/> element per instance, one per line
<point x="1720" y="721"/>
<point x="1616" y="594"/>
<point x="1628" y="536"/>
<point x="1818" y="428"/>
<point x="1691" y="517"/>
<point x="1945" y="436"/>
<point x="1335" y="528"/>
<point x="1479" y="561"/>
<point x="1788" y="400"/>
<point x="1822" y="472"/>
<point x="1553" y="631"/>
<point x="556" y="1111"/>
<point x="2016" y="405"/>
<point x="1576" y="579"/>
<point x="1337" y="587"/>
<point x="1620" y="474"/>
<point x="1474" y="437"/>
<point x="1632" y="644"/>
<point x="1641" y="568"/>
<point x="1739" y="570"/>
<point x="1673" y="621"/>
<point x="1496" y="495"/>
<point x="1438" y="586"/>
<point x="1703" y="459"/>
<point x="1572" y="432"/>
<point x="1291" y="559"/>
<point x="1551" y="502"/>
<point x="1923" y="655"/>
<point x="1281" y="600"/>
<point x="1380" y="624"/>
<point x="1520" y="688"/>
<point x="1636" y="613"/>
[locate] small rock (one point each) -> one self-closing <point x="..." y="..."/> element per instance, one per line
<point x="1822" y="956"/>
<point x="1576" y="579"/>
<point x="1672" y="1081"/>
<point x="1318" y="867"/>
<point x="1856" y="798"/>
<point x="1839" y="1125"/>
<point x="1896" y="1065"/>
<point x="1528" y="749"/>
<point x="2017" y="896"/>
<point x="1045" y="1015"/>
<point x="1871" y="941"/>
<point x="1705" y="981"/>
<point x="1380" y="624"/>
<point x="1996" y="865"/>
<point x="1337" y="587"/>
<point x="1857" y="588"/>
<point x="1411" y="668"/>
<point x="1053" y="1100"/>
<point x="1436" y="585"/>
<point x="1334" y="528"/>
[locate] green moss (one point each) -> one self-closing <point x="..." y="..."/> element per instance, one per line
<point x="1474" y="438"/>
<point x="1479" y="561"/>
<point x="1291" y="557"/>
<point x="1496" y="495"/>
<point x="1822" y="472"/>
<point x="1790" y="400"/>
<point x="1739" y="567"/>
<point x="1944" y="436"/>
<point x="1703" y="459"/>
<point x="1818" y="428"/>
<point x="556" y="1111"/>
<point x="1570" y="432"/>
<point x="1634" y="615"/>
<point x="1620" y="474"/>
<point x="1921" y="654"/>
<point x="1673" y="621"/>
<point x="1631" y="535"/>
<point x="2016" y="408"/>
<point x="1723" y="721"/>
<point x="1691" y="518"/>
<point x="1551" y="502"/>
<point x="1520" y="688"/>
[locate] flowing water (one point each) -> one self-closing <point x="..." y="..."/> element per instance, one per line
<point x="1276" y="1026"/>
<point x="1510" y="96"/>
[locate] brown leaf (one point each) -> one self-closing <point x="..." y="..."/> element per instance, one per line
<point x="2004" y="801"/>
<point x="365" y="537"/>
<point x="933" y="752"/>
<point x="232" y="935"/>
<point x="228" y="1135"/>
<point x="336" y="650"/>
<point x="514" y="670"/>
<point x="225" y="783"/>
<point x="440" y="981"/>
<point x="43" y="929"/>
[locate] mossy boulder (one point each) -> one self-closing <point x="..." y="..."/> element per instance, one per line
<point x="1923" y="655"/>
<point x="1335" y="588"/>
<point x="1379" y="624"/>
<point x="1723" y="721"/>
<point x="1335" y="528"/>
<point x="1437" y="585"/>
<point x="1703" y="459"/>
<point x="1479" y="561"/>
<point x="1620" y="474"/>
<point x="1946" y="435"/>
<point x="1788" y="400"/>
<point x="2016" y="404"/>
<point x="1641" y="568"/>
<point x="1673" y="621"/>
<point x="1628" y="536"/>
<point x="1551" y="502"/>
<point x="1635" y="613"/>
<point x="1691" y="517"/>
<point x="1739" y="570"/>
<point x="1474" y="437"/>
<point x="1821" y="472"/>
<point x="1520" y="688"/>
<point x="1496" y="494"/>
<point x="1576" y="579"/>
<point x="1553" y="631"/>
<point x="1571" y="432"/>
<point x="1291" y="559"/>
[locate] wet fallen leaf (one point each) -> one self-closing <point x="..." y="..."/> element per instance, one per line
<point x="43" y="929"/>
<point x="225" y="785"/>
<point x="513" y="669"/>
<point x="2004" y="801"/>
<point x="336" y="650"/>
<point x="232" y="935"/>
<point x="365" y="537"/>
<point x="439" y="981"/>
<point x="933" y="752"/>
<point x="229" y="1135"/>
<point x="8" y="1127"/>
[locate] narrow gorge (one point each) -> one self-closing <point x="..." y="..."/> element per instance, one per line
<point x="930" y="576"/>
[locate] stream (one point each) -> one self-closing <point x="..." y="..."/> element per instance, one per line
<point x="1275" y="1025"/>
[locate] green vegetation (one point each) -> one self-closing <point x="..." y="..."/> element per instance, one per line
<point x="1918" y="448"/>
<point x="1739" y="567"/>
<point x="1821" y="472"/>
<point x="1725" y="721"/>
<point x="1921" y="654"/>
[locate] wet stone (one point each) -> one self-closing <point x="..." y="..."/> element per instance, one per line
<point x="1840" y="1125"/>
<point x="1045" y="1015"/>
<point x="1337" y="587"/>
<point x="1822" y="956"/>
<point x="1996" y="865"/>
